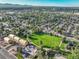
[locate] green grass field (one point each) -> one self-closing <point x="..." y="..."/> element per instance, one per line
<point x="47" y="40"/>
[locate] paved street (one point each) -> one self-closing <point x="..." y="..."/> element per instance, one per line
<point x="5" y="55"/>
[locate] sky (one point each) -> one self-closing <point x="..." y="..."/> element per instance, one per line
<point x="72" y="3"/>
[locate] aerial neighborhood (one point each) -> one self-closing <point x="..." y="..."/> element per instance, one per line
<point x="38" y="32"/>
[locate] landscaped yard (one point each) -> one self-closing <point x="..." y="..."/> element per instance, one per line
<point x="46" y="40"/>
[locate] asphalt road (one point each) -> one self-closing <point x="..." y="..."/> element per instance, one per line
<point x="6" y="55"/>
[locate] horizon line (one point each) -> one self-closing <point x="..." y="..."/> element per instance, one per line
<point x="40" y="5"/>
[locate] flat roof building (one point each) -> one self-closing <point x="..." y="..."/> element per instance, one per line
<point x="11" y="36"/>
<point x="6" y="40"/>
<point x="23" y="42"/>
<point x="16" y="39"/>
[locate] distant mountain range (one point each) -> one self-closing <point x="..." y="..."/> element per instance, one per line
<point x="6" y="5"/>
<point x="18" y="6"/>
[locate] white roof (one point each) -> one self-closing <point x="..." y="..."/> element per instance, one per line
<point x="6" y="39"/>
<point x="16" y="39"/>
<point x="11" y="36"/>
<point x="23" y="42"/>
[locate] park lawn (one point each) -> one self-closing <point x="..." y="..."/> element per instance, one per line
<point x="47" y="40"/>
